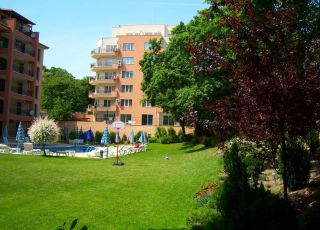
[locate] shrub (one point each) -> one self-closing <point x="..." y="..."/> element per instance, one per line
<point x="112" y="136"/>
<point x="160" y="132"/>
<point x="44" y="131"/>
<point x="310" y="217"/>
<point x="124" y="138"/>
<point x="298" y="164"/>
<point x="313" y="141"/>
<point x="97" y="137"/>
<point x="167" y="140"/>
<point x="246" y="207"/>
<point x="137" y="135"/>
<point x="153" y="140"/>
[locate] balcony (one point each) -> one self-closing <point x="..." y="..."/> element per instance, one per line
<point x="101" y="108"/>
<point x="24" y="50"/>
<point x="102" y="52"/>
<point x="103" y="66"/>
<point x="25" y="92"/>
<point x="20" y="112"/>
<point x="25" y="29"/>
<point x="103" y="94"/>
<point x="102" y="80"/>
<point x="23" y="71"/>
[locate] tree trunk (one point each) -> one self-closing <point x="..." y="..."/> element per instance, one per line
<point x="182" y="124"/>
<point x="44" y="149"/>
<point x="284" y="162"/>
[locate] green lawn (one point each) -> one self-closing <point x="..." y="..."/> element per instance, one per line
<point x="148" y="192"/>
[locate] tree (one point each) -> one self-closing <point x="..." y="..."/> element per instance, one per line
<point x="169" y="79"/>
<point x="270" y="53"/>
<point x="44" y="131"/>
<point x="62" y="94"/>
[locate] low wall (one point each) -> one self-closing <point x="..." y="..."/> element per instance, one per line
<point x="99" y="126"/>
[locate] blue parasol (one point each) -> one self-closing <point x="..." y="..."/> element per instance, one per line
<point x="105" y="139"/>
<point x="131" y="136"/>
<point x="20" y="134"/>
<point x="143" y="138"/>
<point x="90" y="136"/>
<point x="5" y="134"/>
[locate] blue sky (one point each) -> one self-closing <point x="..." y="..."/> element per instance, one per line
<point x="71" y="28"/>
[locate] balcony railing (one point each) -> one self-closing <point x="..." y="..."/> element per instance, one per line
<point x="101" y="64"/>
<point x="24" y="29"/>
<point x="25" y="50"/>
<point x="20" y="112"/>
<point x="23" y="70"/>
<point x="104" y="50"/>
<point x="25" y="92"/>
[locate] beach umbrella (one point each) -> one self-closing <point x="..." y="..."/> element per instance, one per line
<point x="20" y="134"/>
<point x="90" y="135"/>
<point x="5" y="133"/>
<point x="105" y="139"/>
<point x="85" y="136"/>
<point x="143" y="138"/>
<point x="131" y="136"/>
<point x="65" y="132"/>
<point x="117" y="137"/>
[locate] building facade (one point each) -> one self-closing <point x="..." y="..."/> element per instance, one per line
<point x="21" y="62"/>
<point x="117" y="95"/>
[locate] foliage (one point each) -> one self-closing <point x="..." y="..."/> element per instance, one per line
<point x="169" y="80"/>
<point x="97" y="137"/>
<point x="298" y="168"/>
<point x="44" y="131"/>
<point x="138" y="134"/>
<point x="237" y="205"/>
<point x="310" y="217"/>
<point x="160" y="132"/>
<point x="281" y="36"/>
<point x="62" y="94"/>
<point x="112" y="136"/>
<point x="313" y="141"/>
<point x="153" y="140"/>
<point x="124" y="138"/>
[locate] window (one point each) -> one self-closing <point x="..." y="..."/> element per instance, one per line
<point x="39" y="55"/>
<point x="1" y="106"/>
<point x="35" y="110"/>
<point x="106" y="61"/>
<point x="36" y="92"/>
<point x="108" y="89"/>
<point x="38" y="73"/>
<point x="3" y="63"/>
<point x="146" y="104"/>
<point x="107" y="76"/>
<point x="128" y="60"/>
<point x="167" y="120"/>
<point x="147" y="119"/>
<point x="127" y="74"/>
<point x="108" y="103"/>
<point x="2" y="84"/>
<point x="125" y="117"/>
<point x="126" y="102"/>
<point x="147" y="46"/>
<point x="128" y="46"/>
<point x="126" y="88"/>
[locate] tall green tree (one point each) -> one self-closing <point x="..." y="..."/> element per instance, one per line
<point x="62" y="94"/>
<point x="169" y="79"/>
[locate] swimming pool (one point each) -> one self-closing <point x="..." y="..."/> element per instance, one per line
<point x="76" y="148"/>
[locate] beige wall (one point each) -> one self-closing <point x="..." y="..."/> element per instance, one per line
<point x="99" y="126"/>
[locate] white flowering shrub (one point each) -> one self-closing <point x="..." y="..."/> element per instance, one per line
<point x="44" y="131"/>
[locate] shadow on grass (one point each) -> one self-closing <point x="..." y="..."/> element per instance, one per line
<point x="189" y="147"/>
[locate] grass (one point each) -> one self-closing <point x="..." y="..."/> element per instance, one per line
<point x="148" y="192"/>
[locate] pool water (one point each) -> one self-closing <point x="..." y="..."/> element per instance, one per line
<point x="76" y="148"/>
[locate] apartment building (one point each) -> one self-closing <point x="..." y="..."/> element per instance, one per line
<point x="117" y="95"/>
<point x="21" y="58"/>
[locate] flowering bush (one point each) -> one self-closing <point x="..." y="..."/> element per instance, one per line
<point x="44" y="131"/>
<point x="207" y="195"/>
